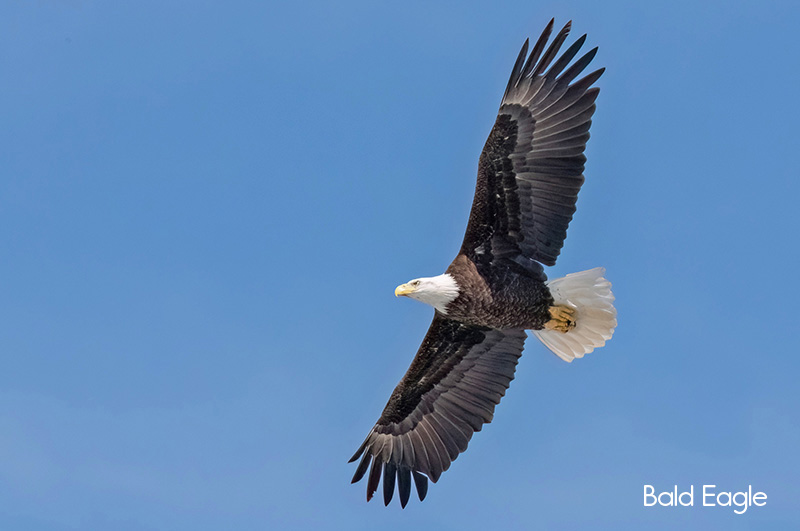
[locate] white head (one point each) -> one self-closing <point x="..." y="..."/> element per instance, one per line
<point x="436" y="291"/>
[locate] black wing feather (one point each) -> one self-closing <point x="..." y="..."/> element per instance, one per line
<point x="374" y="477"/>
<point x="567" y="56"/>
<point x="537" y="50"/>
<point x="537" y="144"/>
<point x="404" y="485"/>
<point x="553" y="49"/>
<point x="459" y="375"/>
<point x="421" y="482"/>
<point x="389" y="474"/>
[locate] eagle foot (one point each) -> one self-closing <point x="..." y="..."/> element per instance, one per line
<point x="563" y="319"/>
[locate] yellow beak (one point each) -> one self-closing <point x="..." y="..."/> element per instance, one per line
<point x="403" y="290"/>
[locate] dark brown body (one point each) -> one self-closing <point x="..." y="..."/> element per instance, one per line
<point x="505" y="296"/>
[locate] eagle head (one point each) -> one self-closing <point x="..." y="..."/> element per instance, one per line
<point x="436" y="291"/>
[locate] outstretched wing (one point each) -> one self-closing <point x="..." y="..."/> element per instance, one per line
<point x="531" y="168"/>
<point x="456" y="379"/>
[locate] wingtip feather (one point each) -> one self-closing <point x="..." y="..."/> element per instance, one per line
<point x="421" y="483"/>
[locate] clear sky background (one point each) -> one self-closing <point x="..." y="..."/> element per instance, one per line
<point x="205" y="208"/>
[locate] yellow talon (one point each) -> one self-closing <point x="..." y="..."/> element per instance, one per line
<point x="563" y="319"/>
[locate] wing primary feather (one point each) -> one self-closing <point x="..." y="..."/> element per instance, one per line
<point x="572" y="103"/>
<point x="589" y="79"/>
<point x="422" y="484"/>
<point x="553" y="49"/>
<point x="566" y="57"/>
<point x="578" y="97"/>
<point x="573" y="71"/>
<point x="537" y="48"/>
<point x="362" y="467"/>
<point x="374" y="477"/>
<point x="360" y="450"/>
<point x="404" y="484"/>
<point x="389" y="472"/>
<point x="514" y="79"/>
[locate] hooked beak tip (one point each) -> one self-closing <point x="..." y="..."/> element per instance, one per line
<point x="402" y="290"/>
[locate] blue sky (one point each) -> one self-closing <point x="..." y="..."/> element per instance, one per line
<point x="205" y="208"/>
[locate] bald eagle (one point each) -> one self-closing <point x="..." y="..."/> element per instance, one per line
<point x="529" y="175"/>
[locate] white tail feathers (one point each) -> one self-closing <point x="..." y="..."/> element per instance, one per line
<point x="595" y="316"/>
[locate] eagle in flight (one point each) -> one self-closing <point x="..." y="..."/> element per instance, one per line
<point x="529" y="175"/>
